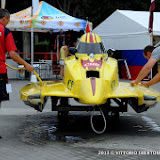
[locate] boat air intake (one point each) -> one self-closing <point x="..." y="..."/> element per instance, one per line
<point x="93" y="74"/>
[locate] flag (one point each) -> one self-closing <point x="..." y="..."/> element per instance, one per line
<point x="87" y="29"/>
<point x="3" y="3"/>
<point x="35" y="5"/>
<point x="151" y="10"/>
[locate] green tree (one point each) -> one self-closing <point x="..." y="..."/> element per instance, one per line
<point x="96" y="10"/>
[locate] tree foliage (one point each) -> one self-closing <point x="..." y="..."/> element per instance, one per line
<point x="96" y="10"/>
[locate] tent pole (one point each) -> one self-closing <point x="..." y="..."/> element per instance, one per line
<point x="32" y="35"/>
<point x="152" y="38"/>
<point x="152" y="45"/>
<point x="32" y="45"/>
<point x="32" y="39"/>
<point x="57" y="48"/>
<point x="51" y="64"/>
<point x="151" y="76"/>
<point x="3" y="3"/>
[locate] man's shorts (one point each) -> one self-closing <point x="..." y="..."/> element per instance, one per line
<point x="3" y="93"/>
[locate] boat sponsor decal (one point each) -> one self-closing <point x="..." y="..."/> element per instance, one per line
<point x="91" y="65"/>
<point x="113" y="85"/>
<point x="70" y="84"/>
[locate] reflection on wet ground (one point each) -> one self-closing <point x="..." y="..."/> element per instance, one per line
<point x="148" y="125"/>
<point x="41" y="128"/>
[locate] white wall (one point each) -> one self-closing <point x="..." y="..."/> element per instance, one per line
<point x="12" y="74"/>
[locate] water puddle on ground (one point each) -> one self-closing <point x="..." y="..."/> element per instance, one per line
<point x="39" y="130"/>
<point x="150" y="125"/>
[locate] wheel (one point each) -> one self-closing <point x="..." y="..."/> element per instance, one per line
<point x="64" y="101"/>
<point x="115" y="117"/>
<point x="115" y="121"/>
<point x="62" y="115"/>
<point x="54" y="101"/>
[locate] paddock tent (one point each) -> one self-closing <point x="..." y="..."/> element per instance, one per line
<point x="127" y="31"/>
<point x="46" y="18"/>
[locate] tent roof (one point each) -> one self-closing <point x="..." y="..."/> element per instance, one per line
<point x="125" y="22"/>
<point x="45" y="18"/>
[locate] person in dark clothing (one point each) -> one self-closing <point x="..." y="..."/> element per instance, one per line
<point x="7" y="44"/>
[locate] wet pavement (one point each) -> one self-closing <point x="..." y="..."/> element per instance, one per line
<point x="28" y="134"/>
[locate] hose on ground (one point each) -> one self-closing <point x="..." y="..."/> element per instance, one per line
<point x="91" y="121"/>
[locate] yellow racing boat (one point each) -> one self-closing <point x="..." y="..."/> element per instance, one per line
<point x="90" y="77"/>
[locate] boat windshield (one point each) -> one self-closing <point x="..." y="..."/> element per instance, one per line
<point x="87" y="48"/>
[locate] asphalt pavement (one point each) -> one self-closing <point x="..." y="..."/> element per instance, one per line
<point x="31" y="135"/>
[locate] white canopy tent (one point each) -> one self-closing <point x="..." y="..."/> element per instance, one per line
<point x="46" y="18"/>
<point x="128" y="30"/>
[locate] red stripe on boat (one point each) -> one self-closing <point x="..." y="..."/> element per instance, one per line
<point x="86" y="37"/>
<point x="91" y="38"/>
<point x="93" y="84"/>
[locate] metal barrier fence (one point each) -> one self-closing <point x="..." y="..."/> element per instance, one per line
<point x="43" y="65"/>
<point x="46" y="69"/>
